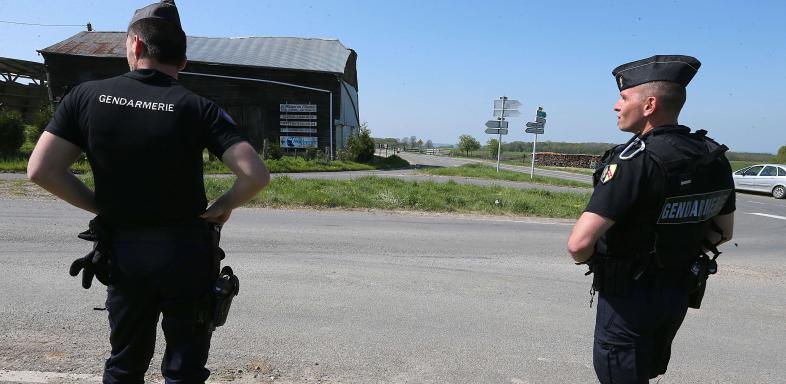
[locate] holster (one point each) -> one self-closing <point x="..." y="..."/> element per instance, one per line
<point x="612" y="275"/>
<point x="224" y="289"/>
<point x="701" y="268"/>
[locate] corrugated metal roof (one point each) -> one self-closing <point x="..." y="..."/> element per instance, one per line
<point x="319" y="55"/>
<point x="22" y="67"/>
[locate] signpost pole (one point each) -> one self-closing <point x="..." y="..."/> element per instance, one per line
<point x="532" y="169"/>
<point x="499" y="150"/>
<point x="499" y="142"/>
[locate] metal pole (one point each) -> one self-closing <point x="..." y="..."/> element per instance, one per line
<point x="499" y="142"/>
<point x="499" y="149"/>
<point x="332" y="125"/>
<point x="532" y="170"/>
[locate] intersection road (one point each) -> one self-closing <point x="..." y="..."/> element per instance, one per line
<point x="378" y="297"/>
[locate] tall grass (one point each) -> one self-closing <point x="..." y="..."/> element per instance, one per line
<point x="298" y="164"/>
<point x="393" y="194"/>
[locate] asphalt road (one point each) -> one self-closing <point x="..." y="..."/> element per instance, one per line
<point x="444" y="161"/>
<point x="374" y="297"/>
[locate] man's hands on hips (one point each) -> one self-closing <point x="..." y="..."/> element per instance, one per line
<point x="216" y="214"/>
<point x="586" y="232"/>
<point x="252" y="177"/>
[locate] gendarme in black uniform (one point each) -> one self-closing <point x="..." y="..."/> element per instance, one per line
<point x="144" y="134"/>
<point x="661" y="190"/>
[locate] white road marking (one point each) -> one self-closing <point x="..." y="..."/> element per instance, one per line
<point x="753" y="202"/>
<point x="48" y="377"/>
<point x="767" y="215"/>
<point x="44" y="377"/>
<point x="534" y="221"/>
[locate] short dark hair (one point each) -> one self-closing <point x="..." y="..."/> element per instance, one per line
<point x="161" y="40"/>
<point x="670" y="95"/>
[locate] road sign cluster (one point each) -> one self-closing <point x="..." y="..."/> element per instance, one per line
<point x="509" y="108"/>
<point x="538" y="126"/>
<point x="497" y="127"/>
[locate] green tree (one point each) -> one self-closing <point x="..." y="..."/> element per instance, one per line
<point x="468" y="144"/>
<point x="361" y="146"/>
<point x="491" y="147"/>
<point x="780" y="158"/>
<point x="12" y="133"/>
<point x="429" y="144"/>
<point x="40" y="120"/>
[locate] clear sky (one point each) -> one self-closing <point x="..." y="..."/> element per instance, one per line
<point x="432" y="68"/>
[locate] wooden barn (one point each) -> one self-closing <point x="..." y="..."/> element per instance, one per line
<point x="295" y="92"/>
<point x="22" y="87"/>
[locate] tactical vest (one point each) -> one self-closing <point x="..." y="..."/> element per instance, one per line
<point x="693" y="168"/>
<point x="694" y="192"/>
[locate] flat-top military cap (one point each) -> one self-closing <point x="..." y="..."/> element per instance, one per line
<point x="165" y="10"/>
<point x="675" y="68"/>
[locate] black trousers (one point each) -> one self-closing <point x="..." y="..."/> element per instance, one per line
<point x="159" y="271"/>
<point x="633" y="334"/>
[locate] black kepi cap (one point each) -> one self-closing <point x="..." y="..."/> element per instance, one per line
<point x="675" y="68"/>
<point x="165" y="10"/>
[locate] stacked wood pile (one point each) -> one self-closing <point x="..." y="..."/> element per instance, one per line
<point x="563" y="160"/>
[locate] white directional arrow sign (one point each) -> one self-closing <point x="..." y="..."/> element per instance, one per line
<point x="537" y="131"/>
<point x="497" y="131"/>
<point x="540" y="119"/>
<point x="506" y="113"/>
<point x="535" y="125"/>
<point x="496" y="124"/>
<point x="509" y="104"/>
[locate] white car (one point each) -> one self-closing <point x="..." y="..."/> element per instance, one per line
<point x="769" y="178"/>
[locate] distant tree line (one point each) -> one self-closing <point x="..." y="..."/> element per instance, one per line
<point x="748" y="156"/>
<point x="405" y="142"/>
<point x="558" y="147"/>
<point x="468" y="144"/>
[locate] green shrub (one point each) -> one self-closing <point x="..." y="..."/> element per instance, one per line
<point x="344" y="155"/>
<point x="781" y="156"/>
<point x="311" y="153"/>
<point x="40" y="120"/>
<point x="12" y="133"/>
<point x="361" y="146"/>
<point x="274" y="152"/>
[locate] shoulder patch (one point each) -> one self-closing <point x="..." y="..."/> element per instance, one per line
<point x="608" y="173"/>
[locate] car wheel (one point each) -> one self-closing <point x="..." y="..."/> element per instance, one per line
<point x="779" y="192"/>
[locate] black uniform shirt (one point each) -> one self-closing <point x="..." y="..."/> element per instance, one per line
<point x="630" y="192"/>
<point x="144" y="134"/>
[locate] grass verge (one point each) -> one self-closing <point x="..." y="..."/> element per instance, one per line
<point x="382" y="193"/>
<point x="393" y="194"/>
<point x="298" y="164"/>
<point x="19" y="165"/>
<point x="286" y="164"/>
<point x="486" y="172"/>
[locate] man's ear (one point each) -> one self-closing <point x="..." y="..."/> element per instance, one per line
<point x="136" y="46"/>
<point x="183" y="64"/>
<point x="650" y="105"/>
